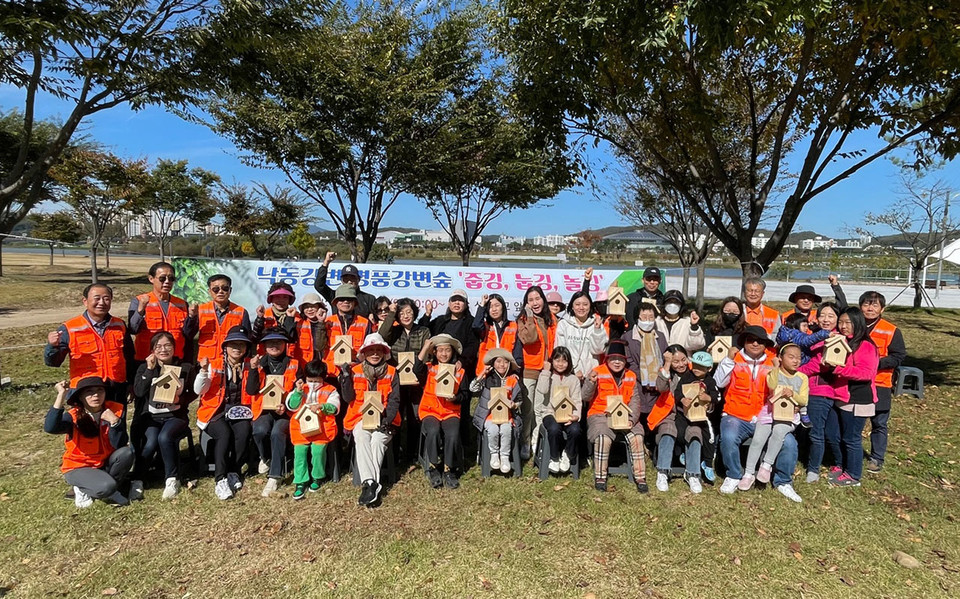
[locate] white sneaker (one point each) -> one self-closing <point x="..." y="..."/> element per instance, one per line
<point x="788" y="492"/>
<point x="729" y="486"/>
<point x="263" y="467"/>
<point x="554" y="466"/>
<point x="136" y="490"/>
<point x="171" y="488"/>
<point x="695" y="486"/>
<point x="564" y="462"/>
<point x="223" y="490"/>
<point x="495" y="461"/>
<point x="233" y="479"/>
<point x="270" y="487"/>
<point x="813" y="477"/>
<point x="505" y="464"/>
<point x="81" y="499"/>
<point x="663" y="483"/>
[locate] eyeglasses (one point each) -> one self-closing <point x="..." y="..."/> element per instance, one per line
<point x="165" y="278"/>
<point x="225" y="289"/>
<point x="163" y="347"/>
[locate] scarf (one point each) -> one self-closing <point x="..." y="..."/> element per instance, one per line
<point x="374" y="373"/>
<point x="649" y="357"/>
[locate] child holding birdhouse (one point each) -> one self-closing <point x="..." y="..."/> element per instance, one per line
<point x="788" y="390"/>
<point x="311" y="331"/>
<point x="372" y="392"/>
<point x="558" y="391"/>
<point x="440" y="408"/>
<point x="275" y="373"/>
<point x="496" y="412"/>
<point x="314" y="405"/>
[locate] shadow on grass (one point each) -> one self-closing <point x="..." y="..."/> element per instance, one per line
<point x="935" y="372"/>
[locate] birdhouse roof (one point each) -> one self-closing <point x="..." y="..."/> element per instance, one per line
<point x="272" y="383"/>
<point x="372" y="402"/>
<point x="618" y="401"/>
<point x="497" y="399"/>
<point x="838" y="340"/>
<point x="165" y="378"/>
<point x="342" y="340"/>
<point x="404" y="359"/>
<point x="303" y="411"/>
<point x="558" y="400"/>
<point x="721" y="341"/>
<point x="615" y="292"/>
<point x="443" y="374"/>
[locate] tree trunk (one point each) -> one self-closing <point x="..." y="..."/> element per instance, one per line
<point x="686" y="280"/>
<point x="106" y="254"/>
<point x="701" y="282"/>
<point x="94" y="278"/>
<point x="163" y="257"/>
<point x="918" y="283"/>
<point x="2" y="239"/>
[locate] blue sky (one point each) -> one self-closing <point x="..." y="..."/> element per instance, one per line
<point x="153" y="133"/>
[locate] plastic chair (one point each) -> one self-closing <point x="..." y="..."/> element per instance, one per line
<point x="908" y="372"/>
<point x="542" y="458"/>
<point x="483" y="454"/>
<point x="626" y="468"/>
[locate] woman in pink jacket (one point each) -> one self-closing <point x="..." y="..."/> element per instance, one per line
<point x="824" y="389"/>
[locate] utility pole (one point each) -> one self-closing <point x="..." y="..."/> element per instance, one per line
<point x="943" y="239"/>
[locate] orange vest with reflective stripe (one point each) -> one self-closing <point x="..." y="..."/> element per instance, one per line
<point x="328" y="422"/>
<point x="304" y="351"/>
<point x="212" y="333"/>
<point x="357" y="330"/>
<point x="269" y="321"/>
<point x="745" y="395"/>
<point x="440" y="408"/>
<point x="491" y="341"/>
<point x="535" y="354"/>
<point x="93" y="355"/>
<point x="811" y="317"/>
<point x="89" y="452"/>
<point x="154" y="321"/>
<point x="882" y="335"/>
<point x="768" y="318"/>
<point x="606" y="386"/>
<point x="210" y="401"/>
<point x="360" y="386"/>
<point x="289" y="382"/>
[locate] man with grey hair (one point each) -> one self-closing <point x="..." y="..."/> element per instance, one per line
<point x="757" y="313"/>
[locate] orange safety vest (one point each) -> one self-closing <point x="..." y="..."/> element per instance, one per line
<point x="289" y="382"/>
<point x="154" y="321"/>
<point x="304" y="351"/>
<point x="89" y="452"/>
<point x="328" y="423"/>
<point x="745" y="394"/>
<point x="606" y="385"/>
<point x="360" y="386"/>
<point x="535" y="354"/>
<point x="212" y="333"/>
<point x="491" y="341"/>
<point x="811" y="317"/>
<point x="270" y="321"/>
<point x="882" y="335"/>
<point x="768" y="318"/>
<point x="661" y="409"/>
<point x="210" y="401"/>
<point x="357" y="330"/>
<point x="440" y="408"/>
<point x="93" y="355"/>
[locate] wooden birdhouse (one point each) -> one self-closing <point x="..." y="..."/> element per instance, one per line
<point x="446" y="381"/>
<point x="720" y="348"/>
<point x="342" y="350"/>
<point x="835" y="351"/>
<point x="405" y="361"/>
<point x="309" y="420"/>
<point x="371" y="410"/>
<point x="618" y="413"/>
<point x="166" y="387"/>
<point x="272" y="393"/>
<point x="783" y="407"/>
<point x="499" y="410"/>
<point x="562" y="405"/>
<point x="616" y="301"/>
<point x="697" y="410"/>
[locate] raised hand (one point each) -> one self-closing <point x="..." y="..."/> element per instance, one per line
<point x="53" y="338"/>
<point x="393" y="307"/>
<point x="588" y="274"/>
<point x="151" y="362"/>
<point x="109" y="416"/>
<point x="593" y="376"/>
<point x="192" y="310"/>
<point x="261" y="311"/>
<point x="597" y="322"/>
<point x="204" y="364"/>
<point x="484" y="299"/>
<point x="833" y="279"/>
<point x="291" y="312"/>
<point x="255" y="362"/>
<point x="142" y="300"/>
<point x="694" y="317"/>
<point x="428" y="309"/>
<point x="329" y="258"/>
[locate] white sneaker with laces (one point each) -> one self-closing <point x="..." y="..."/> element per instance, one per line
<point x="729" y="486"/>
<point x="263" y="467"/>
<point x="136" y="490"/>
<point x="223" y="490"/>
<point x="554" y="466"/>
<point x="495" y="461"/>
<point x="663" y="483"/>
<point x="171" y="488"/>
<point x="81" y="499"/>
<point x="695" y="486"/>
<point x="505" y="464"/>
<point x="270" y="487"/>
<point x="233" y="479"/>
<point x="788" y="492"/>
<point x="564" y="462"/>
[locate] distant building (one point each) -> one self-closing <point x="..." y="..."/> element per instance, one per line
<point x="759" y="240"/>
<point x="552" y="241"/>
<point x="817" y="243"/>
<point x="145" y="225"/>
<point x="640" y="240"/>
<point x="423" y="236"/>
<point x="389" y="236"/>
<point x="505" y="240"/>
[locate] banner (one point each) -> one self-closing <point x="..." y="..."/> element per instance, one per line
<point x="421" y="282"/>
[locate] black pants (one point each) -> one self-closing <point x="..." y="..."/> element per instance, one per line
<point x="562" y="438"/>
<point x="410" y="396"/>
<point x="152" y="433"/>
<point x="101" y="483"/>
<point x="277" y="428"/>
<point x="231" y="439"/>
<point x="450" y="428"/>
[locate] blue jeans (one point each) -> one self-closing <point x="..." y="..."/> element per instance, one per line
<point x="733" y="432"/>
<point x="851" y="429"/>
<point x="277" y="428"/>
<point x="665" y="455"/>
<point x="824" y="432"/>
<point x="878" y="436"/>
<point x="162" y="434"/>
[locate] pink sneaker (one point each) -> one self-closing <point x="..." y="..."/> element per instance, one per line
<point x="763" y="474"/>
<point x="746" y="482"/>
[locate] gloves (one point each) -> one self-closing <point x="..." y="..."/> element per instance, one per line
<point x="328" y="408"/>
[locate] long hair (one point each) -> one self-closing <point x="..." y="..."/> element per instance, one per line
<point x="859" y="324"/>
<point x="546" y="315"/>
<point x="503" y="304"/>
<point x="718" y="324"/>
<point x="562" y="352"/>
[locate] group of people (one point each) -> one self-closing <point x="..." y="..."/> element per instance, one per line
<point x="346" y="375"/>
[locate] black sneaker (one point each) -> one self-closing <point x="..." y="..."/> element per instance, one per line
<point x="299" y="491"/>
<point x="369" y="493"/>
<point x="434" y="477"/>
<point x="642" y="487"/>
<point x="600" y="485"/>
<point x="451" y="480"/>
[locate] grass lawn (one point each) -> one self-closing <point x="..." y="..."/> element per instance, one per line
<point x="496" y="537"/>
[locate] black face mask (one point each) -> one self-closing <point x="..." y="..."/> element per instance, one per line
<point x="730" y="319"/>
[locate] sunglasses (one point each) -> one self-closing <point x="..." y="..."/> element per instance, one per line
<point x="165" y="278"/>
<point x="383" y="310"/>
<point x="225" y="289"/>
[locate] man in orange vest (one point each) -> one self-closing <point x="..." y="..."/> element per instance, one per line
<point x="98" y="344"/>
<point x="217" y="317"/>
<point x="159" y="310"/>
<point x="892" y="352"/>
<point x="758" y="314"/>
<point x="744" y="375"/>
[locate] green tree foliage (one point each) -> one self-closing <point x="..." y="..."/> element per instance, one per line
<point x="61" y="226"/>
<point x="301" y="240"/>
<point x="712" y="99"/>
<point x="261" y="216"/>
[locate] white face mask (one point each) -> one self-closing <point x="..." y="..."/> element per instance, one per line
<point x="672" y="309"/>
<point x="645" y="325"/>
